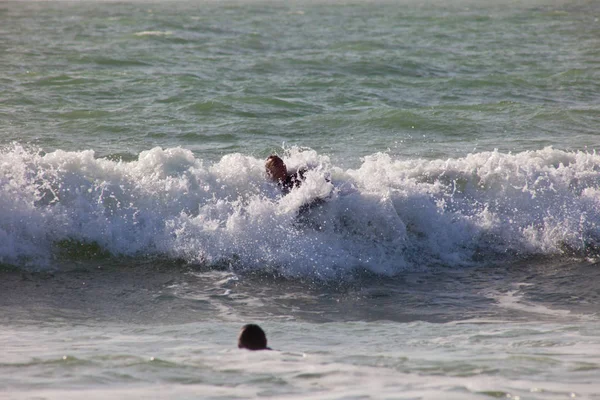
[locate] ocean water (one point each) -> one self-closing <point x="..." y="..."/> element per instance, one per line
<point x="445" y="243"/>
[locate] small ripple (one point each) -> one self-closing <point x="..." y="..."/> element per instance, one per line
<point x="82" y="114"/>
<point x="115" y="62"/>
<point x="62" y="80"/>
<point x="224" y="137"/>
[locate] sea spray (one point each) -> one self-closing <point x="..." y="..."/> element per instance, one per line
<point x="387" y="216"/>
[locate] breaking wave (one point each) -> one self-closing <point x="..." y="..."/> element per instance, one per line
<point x="387" y="216"/>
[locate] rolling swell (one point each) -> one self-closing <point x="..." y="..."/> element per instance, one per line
<point x="385" y="217"/>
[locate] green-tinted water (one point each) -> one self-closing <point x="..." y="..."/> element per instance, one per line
<point x="348" y="79"/>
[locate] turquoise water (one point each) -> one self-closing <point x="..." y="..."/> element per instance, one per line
<point x="453" y="251"/>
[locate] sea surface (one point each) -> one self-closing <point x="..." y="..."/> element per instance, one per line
<point x="445" y="243"/>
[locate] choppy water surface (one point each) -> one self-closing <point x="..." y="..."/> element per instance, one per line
<point x="347" y="78"/>
<point x="451" y="246"/>
<point x="160" y="331"/>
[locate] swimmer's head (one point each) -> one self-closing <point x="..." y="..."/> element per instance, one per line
<point x="275" y="168"/>
<point x="252" y="337"/>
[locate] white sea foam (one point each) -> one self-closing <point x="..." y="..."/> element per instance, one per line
<point x="515" y="300"/>
<point x="154" y="33"/>
<point x="385" y="216"/>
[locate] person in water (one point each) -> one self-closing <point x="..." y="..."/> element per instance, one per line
<point x="277" y="171"/>
<point x="252" y="337"/>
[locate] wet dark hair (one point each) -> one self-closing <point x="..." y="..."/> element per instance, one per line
<point x="252" y="337"/>
<point x="274" y="166"/>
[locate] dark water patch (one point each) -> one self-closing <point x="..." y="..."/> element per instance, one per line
<point x="115" y="62"/>
<point x="224" y="137"/>
<point x="117" y="127"/>
<point x="505" y="106"/>
<point x="497" y="394"/>
<point x="253" y="106"/>
<point x="406" y="120"/>
<point x="200" y="79"/>
<point x="157" y="135"/>
<point x="567" y="284"/>
<point x="166" y="37"/>
<point x="494" y="81"/>
<point x="83" y="114"/>
<point x="579" y="120"/>
<point x="10" y="268"/>
<point x="318" y="82"/>
<point x="175" y="99"/>
<point x="358" y="46"/>
<point x="277" y="102"/>
<point x="62" y="80"/>
<point x="585" y="366"/>
<point x="404" y="68"/>
<point x="77" y="250"/>
<point x="210" y="107"/>
<point x="80" y="291"/>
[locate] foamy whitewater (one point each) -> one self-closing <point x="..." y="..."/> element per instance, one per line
<point x="444" y="243"/>
<point x="387" y="216"/>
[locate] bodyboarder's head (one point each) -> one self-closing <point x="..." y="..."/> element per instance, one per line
<point x="276" y="168"/>
<point x="252" y="337"/>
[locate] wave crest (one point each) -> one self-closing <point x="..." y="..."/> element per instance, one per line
<point x="385" y="216"/>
